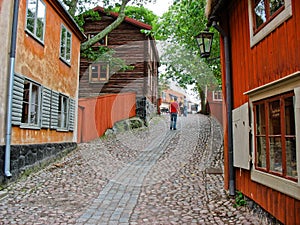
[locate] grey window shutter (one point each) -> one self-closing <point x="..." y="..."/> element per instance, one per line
<point x="54" y="110"/>
<point x="72" y="114"/>
<point x="46" y="107"/>
<point x="17" y="99"/>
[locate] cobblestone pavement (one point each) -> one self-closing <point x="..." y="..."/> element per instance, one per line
<point x="147" y="176"/>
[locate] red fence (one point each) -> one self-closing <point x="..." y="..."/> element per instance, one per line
<point x="96" y="115"/>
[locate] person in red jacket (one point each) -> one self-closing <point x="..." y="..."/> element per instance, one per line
<point x="174" y="110"/>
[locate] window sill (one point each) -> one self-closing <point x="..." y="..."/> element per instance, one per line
<point x="31" y="127"/>
<point x="62" y="130"/>
<point x="65" y="62"/>
<point x="41" y="42"/>
<point x="282" y="185"/>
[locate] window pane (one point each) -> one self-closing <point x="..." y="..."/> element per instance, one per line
<point x="95" y="72"/>
<point x="275" y="5"/>
<point x="289" y="116"/>
<point x="34" y="105"/>
<point x="274" y="118"/>
<point x="25" y="110"/>
<point x="261" y="152"/>
<point x="31" y="12"/>
<point x="40" y="20"/>
<point x="275" y="154"/>
<point x="291" y="160"/>
<point x="63" y="42"/>
<point x="103" y="72"/>
<point x="68" y="47"/>
<point x="260" y="13"/>
<point x="260" y="120"/>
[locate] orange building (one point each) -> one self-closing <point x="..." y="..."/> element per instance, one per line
<point x="45" y="82"/>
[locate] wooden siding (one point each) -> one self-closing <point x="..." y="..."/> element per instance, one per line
<point x="130" y="45"/>
<point x="98" y="114"/>
<point x="276" y="56"/>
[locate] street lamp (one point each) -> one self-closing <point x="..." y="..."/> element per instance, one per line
<point x="204" y="41"/>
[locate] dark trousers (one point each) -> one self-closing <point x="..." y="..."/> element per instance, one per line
<point x="173" y="120"/>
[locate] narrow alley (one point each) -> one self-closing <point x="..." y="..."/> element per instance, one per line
<point x="145" y="176"/>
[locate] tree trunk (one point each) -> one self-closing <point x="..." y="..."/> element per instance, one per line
<point x="108" y="29"/>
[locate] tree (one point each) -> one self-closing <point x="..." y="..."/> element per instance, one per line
<point x="178" y="27"/>
<point x="187" y="68"/>
<point x="80" y="6"/>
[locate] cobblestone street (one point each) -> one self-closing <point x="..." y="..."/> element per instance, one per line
<point x="145" y="176"/>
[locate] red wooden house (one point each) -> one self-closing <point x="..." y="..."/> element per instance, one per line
<point x="260" y="54"/>
<point x="136" y="49"/>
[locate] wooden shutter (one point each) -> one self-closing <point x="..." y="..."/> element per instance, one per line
<point x="71" y="114"/>
<point x="241" y="142"/>
<point x="17" y="99"/>
<point x="54" y="110"/>
<point x="46" y="107"/>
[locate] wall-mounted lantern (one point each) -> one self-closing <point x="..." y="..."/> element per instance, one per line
<point x="204" y="41"/>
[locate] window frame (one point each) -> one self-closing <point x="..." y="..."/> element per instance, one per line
<point x="64" y="45"/>
<point x="33" y="34"/>
<point x="268" y="15"/>
<point x="99" y="80"/>
<point x="219" y="94"/>
<point x="91" y="35"/>
<point x="288" y="83"/>
<point x="276" y="20"/>
<point x="266" y="102"/>
<point x="63" y="116"/>
<point x="28" y="124"/>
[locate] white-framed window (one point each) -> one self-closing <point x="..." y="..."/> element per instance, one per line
<point x="103" y="41"/>
<point x="65" y="44"/>
<point x="31" y="104"/>
<point x="99" y="72"/>
<point x="63" y="112"/>
<point x="275" y="109"/>
<point x="265" y="16"/>
<point x="35" y="18"/>
<point x="35" y="106"/>
<point x="217" y="95"/>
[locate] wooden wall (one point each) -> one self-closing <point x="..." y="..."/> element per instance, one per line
<point x="98" y="114"/>
<point x="130" y="45"/>
<point x="276" y="56"/>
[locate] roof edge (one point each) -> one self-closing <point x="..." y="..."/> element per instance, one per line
<point x="127" y="19"/>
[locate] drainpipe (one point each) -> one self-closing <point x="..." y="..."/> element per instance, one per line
<point x="10" y="89"/>
<point x="229" y="105"/>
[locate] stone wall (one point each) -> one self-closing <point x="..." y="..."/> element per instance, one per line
<point x="24" y="157"/>
<point x="145" y="109"/>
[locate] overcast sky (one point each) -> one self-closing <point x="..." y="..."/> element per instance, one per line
<point x="160" y="7"/>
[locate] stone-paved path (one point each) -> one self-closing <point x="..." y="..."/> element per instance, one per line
<point x="148" y="176"/>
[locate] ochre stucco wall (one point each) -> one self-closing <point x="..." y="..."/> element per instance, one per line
<point x="41" y="63"/>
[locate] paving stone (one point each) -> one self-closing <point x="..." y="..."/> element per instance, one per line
<point x="145" y="176"/>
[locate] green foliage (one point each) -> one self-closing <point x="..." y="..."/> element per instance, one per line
<point x="139" y="13"/>
<point x="239" y="200"/>
<point x="178" y="28"/>
<point x="91" y="14"/>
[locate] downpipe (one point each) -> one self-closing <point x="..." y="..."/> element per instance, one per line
<point x="7" y="172"/>
<point x="229" y="105"/>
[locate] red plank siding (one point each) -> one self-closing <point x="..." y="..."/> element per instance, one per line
<point x="272" y="58"/>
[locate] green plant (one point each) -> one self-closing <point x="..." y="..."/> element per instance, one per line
<point x="239" y="200"/>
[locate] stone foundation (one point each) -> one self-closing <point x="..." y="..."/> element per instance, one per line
<point x="25" y="157"/>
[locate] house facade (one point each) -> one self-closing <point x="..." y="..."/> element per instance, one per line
<point x="100" y="76"/>
<point x="261" y="40"/>
<point x="45" y="83"/>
